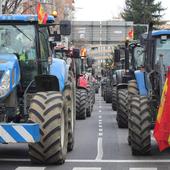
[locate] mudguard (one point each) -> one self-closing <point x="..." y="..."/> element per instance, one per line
<point x="9" y="63"/>
<point x="140" y="78"/>
<point x="122" y="86"/>
<point x="59" y="69"/>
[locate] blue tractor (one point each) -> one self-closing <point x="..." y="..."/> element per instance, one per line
<point x="146" y="89"/>
<point x="36" y="103"/>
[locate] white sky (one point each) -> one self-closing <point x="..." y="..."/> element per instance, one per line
<point x="98" y="10"/>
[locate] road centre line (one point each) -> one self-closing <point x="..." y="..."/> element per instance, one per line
<point x="100" y="111"/>
<point x="100" y="130"/>
<point x="99" y="149"/>
<point x="100" y="120"/>
<point x="100" y="123"/>
<point x="100" y="134"/>
<point x="100" y="126"/>
<point x="100" y="116"/>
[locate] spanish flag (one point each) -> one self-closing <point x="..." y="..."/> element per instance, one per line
<point x="42" y="16"/>
<point x="162" y="126"/>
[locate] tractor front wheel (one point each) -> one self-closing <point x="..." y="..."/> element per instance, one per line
<point x="140" y="125"/>
<point x="47" y="109"/>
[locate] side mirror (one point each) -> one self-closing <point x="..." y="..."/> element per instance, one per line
<point x="116" y="56"/>
<point x="65" y="27"/>
<point x="76" y="53"/>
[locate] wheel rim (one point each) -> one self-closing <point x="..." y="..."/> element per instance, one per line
<point x="62" y="129"/>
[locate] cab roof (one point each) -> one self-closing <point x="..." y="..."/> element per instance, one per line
<point x="160" y="32"/>
<point x="18" y="18"/>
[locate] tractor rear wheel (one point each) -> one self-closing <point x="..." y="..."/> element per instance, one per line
<point x="122" y="111"/>
<point x="140" y="126"/>
<point x="81" y="103"/>
<point x="114" y="98"/>
<point x="47" y="109"/>
<point x="71" y="110"/>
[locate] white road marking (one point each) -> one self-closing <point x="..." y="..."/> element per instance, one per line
<point x="100" y="134"/>
<point x="100" y="116"/>
<point x="142" y="168"/>
<point x="32" y="168"/>
<point x="100" y="120"/>
<point x="100" y="126"/>
<point x="100" y="111"/>
<point x="85" y="168"/>
<point x="100" y="130"/>
<point x="120" y="161"/>
<point x="100" y="123"/>
<point x="99" y="149"/>
<point x="100" y="106"/>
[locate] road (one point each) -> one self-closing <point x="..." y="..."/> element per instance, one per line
<point x="99" y="145"/>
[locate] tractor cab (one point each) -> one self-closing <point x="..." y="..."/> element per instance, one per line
<point x="22" y="37"/>
<point x="162" y="47"/>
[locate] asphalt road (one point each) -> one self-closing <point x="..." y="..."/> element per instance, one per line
<point x="99" y="145"/>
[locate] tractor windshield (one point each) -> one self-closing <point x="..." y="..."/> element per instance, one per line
<point x="138" y="57"/>
<point x="19" y="39"/>
<point x="163" y="48"/>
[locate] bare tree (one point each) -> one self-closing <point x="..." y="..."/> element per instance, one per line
<point x="10" y="6"/>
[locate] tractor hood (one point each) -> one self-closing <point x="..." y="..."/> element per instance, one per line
<point x="9" y="74"/>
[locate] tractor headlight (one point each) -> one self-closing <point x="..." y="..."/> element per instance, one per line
<point x="5" y="84"/>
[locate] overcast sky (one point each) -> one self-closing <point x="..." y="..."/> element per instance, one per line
<point x="98" y="10"/>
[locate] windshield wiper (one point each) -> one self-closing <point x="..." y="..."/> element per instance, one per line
<point x="21" y="32"/>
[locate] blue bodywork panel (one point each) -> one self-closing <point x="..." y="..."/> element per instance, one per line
<point x="19" y="133"/>
<point x="160" y="32"/>
<point x="23" y="18"/>
<point x="9" y="63"/>
<point x="140" y="78"/>
<point x="58" y="68"/>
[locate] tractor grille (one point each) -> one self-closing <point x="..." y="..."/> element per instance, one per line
<point x="1" y="74"/>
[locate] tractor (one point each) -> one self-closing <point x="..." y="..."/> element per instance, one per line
<point x="85" y="94"/>
<point x="146" y="89"/>
<point x="132" y="61"/>
<point x="36" y="95"/>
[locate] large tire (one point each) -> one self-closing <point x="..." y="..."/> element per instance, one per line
<point x="114" y="98"/>
<point x="132" y="90"/>
<point x="122" y="111"/>
<point x="109" y="95"/>
<point x="81" y="103"/>
<point x="71" y="110"/>
<point x="140" y="126"/>
<point x="89" y="102"/>
<point x="48" y="109"/>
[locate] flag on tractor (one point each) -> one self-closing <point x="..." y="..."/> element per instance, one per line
<point x="42" y="15"/>
<point x="162" y="126"/>
<point x="131" y="34"/>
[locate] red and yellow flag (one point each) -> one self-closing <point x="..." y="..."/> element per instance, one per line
<point x="42" y="16"/>
<point x="162" y="126"/>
